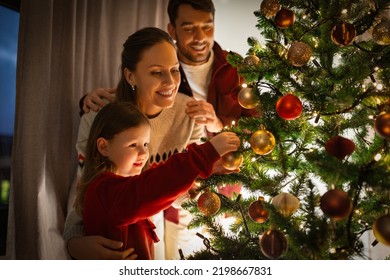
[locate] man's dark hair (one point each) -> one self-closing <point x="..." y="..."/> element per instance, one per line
<point x="202" y="5"/>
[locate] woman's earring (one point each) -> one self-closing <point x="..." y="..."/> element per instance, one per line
<point x="132" y="87"/>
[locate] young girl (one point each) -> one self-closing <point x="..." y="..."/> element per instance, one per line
<point x="114" y="198"/>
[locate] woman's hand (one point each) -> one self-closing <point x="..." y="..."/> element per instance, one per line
<point x="98" y="248"/>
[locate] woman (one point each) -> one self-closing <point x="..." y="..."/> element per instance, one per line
<point x="150" y="79"/>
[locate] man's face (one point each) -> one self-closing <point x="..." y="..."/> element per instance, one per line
<point x="194" y="34"/>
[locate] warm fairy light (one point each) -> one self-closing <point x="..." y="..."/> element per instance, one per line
<point x="233" y="123"/>
<point x="363" y="86"/>
<point x="304" y="16"/>
<point x="344" y="11"/>
<point x="377" y="157"/>
<point x="379" y="86"/>
<point x="253" y="159"/>
<point x="244" y="85"/>
<point x="378" y="101"/>
<point x="332" y="250"/>
<point x="376" y="68"/>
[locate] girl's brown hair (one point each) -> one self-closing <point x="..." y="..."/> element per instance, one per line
<point x="111" y="120"/>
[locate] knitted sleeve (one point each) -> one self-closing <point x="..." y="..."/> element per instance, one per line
<point x="130" y="199"/>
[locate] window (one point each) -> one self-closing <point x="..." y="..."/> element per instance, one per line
<point x="9" y="26"/>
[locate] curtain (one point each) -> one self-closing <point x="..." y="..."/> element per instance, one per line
<point x="66" y="49"/>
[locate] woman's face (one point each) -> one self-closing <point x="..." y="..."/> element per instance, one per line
<point x="157" y="78"/>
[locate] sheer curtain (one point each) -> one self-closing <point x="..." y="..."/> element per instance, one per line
<point x="66" y="48"/>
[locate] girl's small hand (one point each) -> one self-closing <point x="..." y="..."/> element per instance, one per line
<point x="225" y="142"/>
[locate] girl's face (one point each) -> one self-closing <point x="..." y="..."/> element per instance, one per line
<point x="128" y="150"/>
<point x="157" y="78"/>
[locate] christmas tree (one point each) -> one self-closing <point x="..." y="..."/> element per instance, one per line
<point x="315" y="165"/>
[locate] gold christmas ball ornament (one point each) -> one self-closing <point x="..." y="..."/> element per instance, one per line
<point x="343" y="34"/>
<point x="299" y="54"/>
<point x="209" y="203"/>
<point x="381" y="33"/>
<point x="248" y="98"/>
<point x="381" y="229"/>
<point x="273" y="244"/>
<point x="232" y="161"/>
<point x="251" y="60"/>
<point x="269" y="8"/>
<point x="382" y="125"/>
<point x="336" y="204"/>
<point x="257" y="212"/>
<point x="262" y="142"/>
<point x="284" y="18"/>
<point x="286" y="204"/>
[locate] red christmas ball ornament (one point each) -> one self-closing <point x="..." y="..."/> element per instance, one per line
<point x="257" y="212"/>
<point x="339" y="147"/>
<point x="289" y="107"/>
<point x="273" y="244"/>
<point x="284" y="18"/>
<point x="382" y="125"/>
<point x="209" y="203"/>
<point x="336" y="204"/>
<point x="381" y="229"/>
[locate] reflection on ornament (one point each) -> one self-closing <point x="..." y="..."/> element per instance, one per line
<point x="257" y="212"/>
<point x="382" y="125"/>
<point x="248" y="98"/>
<point x="262" y="142"/>
<point x="299" y="54"/>
<point x="286" y="204"/>
<point x="339" y="147"/>
<point x="269" y="8"/>
<point x="273" y="244"/>
<point x="343" y="34"/>
<point x="381" y="33"/>
<point x="251" y="60"/>
<point x="381" y="229"/>
<point x="209" y="203"/>
<point x="289" y="107"/>
<point x="284" y="18"/>
<point x="336" y="204"/>
<point x="232" y="160"/>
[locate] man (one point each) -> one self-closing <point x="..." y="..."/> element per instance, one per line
<point x="205" y="75"/>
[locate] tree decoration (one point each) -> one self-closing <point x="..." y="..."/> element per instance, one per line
<point x="284" y="18"/>
<point x="285" y="203"/>
<point x="269" y="8"/>
<point x="336" y="204"/>
<point x="343" y="34"/>
<point x="289" y="107"/>
<point x="381" y="33"/>
<point x="232" y="160"/>
<point x="382" y="125"/>
<point x="381" y="229"/>
<point x="273" y="244"/>
<point x="299" y="54"/>
<point x="262" y="142"/>
<point x="339" y="147"/>
<point x="250" y="60"/>
<point x="209" y="203"/>
<point x="248" y="98"/>
<point x="257" y="212"/>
